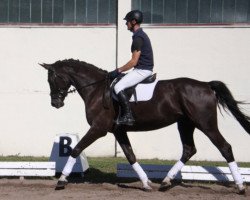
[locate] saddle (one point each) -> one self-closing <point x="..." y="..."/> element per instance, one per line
<point x="131" y="90"/>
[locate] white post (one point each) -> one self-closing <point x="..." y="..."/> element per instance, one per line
<point x="124" y="37"/>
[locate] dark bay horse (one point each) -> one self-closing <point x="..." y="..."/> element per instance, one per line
<point x="190" y="103"/>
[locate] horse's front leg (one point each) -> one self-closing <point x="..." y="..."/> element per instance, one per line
<point x="92" y="135"/>
<point x="122" y="138"/>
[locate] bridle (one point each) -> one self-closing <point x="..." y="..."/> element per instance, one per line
<point x="62" y="93"/>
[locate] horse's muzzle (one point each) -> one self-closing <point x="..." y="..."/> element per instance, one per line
<point x="57" y="103"/>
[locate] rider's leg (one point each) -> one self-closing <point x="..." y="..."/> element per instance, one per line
<point x="126" y="116"/>
<point x="130" y="79"/>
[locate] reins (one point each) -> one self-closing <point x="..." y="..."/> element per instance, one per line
<point x="105" y="99"/>
<point x="90" y="84"/>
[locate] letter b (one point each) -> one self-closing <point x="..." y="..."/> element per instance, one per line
<point x="64" y="147"/>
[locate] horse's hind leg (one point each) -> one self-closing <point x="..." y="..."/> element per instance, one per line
<point x="186" y="130"/>
<point x="123" y="140"/>
<point x="226" y="150"/>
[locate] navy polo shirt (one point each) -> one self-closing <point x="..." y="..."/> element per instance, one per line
<point x="141" y="42"/>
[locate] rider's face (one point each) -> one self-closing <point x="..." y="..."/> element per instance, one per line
<point x="129" y="25"/>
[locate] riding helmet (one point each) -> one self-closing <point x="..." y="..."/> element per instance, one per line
<point x="134" y="15"/>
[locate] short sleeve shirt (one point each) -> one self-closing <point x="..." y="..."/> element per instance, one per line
<point x="137" y="44"/>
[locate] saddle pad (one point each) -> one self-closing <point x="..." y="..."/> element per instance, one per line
<point x="144" y="92"/>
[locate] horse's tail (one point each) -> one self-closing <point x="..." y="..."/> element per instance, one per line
<point x="227" y="101"/>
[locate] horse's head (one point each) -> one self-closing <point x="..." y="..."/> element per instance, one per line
<point x="59" y="84"/>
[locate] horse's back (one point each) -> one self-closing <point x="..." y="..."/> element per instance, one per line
<point x="182" y="81"/>
<point x="196" y="98"/>
<point x="186" y="94"/>
<point x="185" y="85"/>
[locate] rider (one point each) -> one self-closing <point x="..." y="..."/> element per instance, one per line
<point x="141" y="60"/>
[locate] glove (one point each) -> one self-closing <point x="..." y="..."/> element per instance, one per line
<point x="113" y="74"/>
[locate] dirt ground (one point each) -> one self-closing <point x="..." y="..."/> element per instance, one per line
<point x="29" y="189"/>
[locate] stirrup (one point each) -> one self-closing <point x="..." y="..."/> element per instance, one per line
<point x="125" y="121"/>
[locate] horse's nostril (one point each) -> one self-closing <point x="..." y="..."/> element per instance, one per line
<point x="57" y="103"/>
<point x="53" y="104"/>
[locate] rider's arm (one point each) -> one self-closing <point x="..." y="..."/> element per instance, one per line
<point x="132" y="62"/>
<point x="136" y="52"/>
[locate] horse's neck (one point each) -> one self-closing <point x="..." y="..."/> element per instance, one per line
<point x="88" y="85"/>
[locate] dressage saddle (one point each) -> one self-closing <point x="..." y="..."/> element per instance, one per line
<point x="131" y="90"/>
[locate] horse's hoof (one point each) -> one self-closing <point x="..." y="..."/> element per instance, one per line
<point x="165" y="186"/>
<point x="61" y="185"/>
<point x="146" y="186"/>
<point x="241" y="189"/>
<point x="242" y="192"/>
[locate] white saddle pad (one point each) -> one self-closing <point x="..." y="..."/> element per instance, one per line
<point x="144" y="92"/>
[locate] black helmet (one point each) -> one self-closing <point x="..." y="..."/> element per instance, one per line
<point x="134" y="15"/>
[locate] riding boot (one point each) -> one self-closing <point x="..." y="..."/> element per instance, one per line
<point x="126" y="117"/>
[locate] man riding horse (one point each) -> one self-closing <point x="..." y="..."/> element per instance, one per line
<point x="190" y="103"/>
<point x="142" y="61"/>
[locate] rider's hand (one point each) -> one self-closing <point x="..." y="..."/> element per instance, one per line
<point x="113" y="74"/>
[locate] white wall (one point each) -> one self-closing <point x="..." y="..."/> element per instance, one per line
<point x="29" y="124"/>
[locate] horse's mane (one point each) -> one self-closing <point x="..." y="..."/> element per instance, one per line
<point x="77" y="64"/>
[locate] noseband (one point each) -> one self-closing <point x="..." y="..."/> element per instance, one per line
<point x="61" y="93"/>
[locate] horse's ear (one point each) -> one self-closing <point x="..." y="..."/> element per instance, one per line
<point x="46" y="66"/>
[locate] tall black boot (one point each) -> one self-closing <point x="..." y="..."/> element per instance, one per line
<point x="126" y="117"/>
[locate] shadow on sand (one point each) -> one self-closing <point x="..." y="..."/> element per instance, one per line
<point x="95" y="176"/>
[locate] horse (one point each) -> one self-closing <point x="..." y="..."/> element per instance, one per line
<point x="189" y="103"/>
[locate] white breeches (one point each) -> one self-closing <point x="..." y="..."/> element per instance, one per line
<point x="132" y="78"/>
